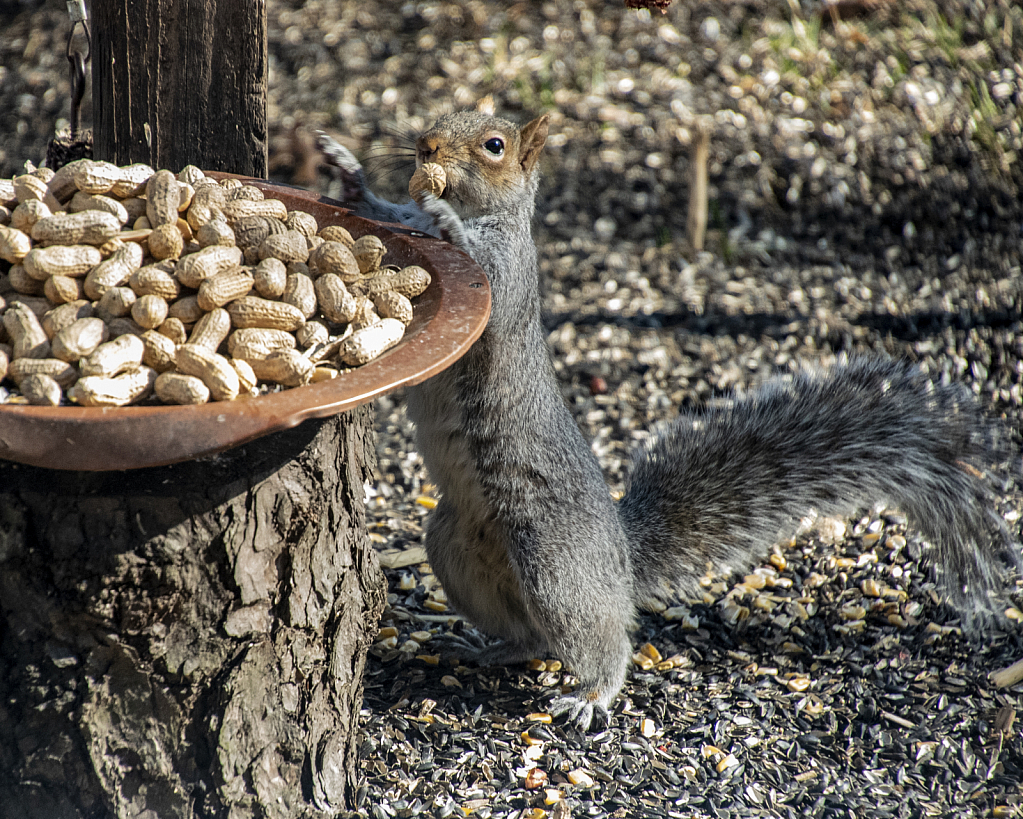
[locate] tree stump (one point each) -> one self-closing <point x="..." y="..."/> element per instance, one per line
<point x="189" y="640"/>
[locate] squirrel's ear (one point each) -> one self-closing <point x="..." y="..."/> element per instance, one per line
<point x="531" y="141"/>
<point x="486" y="105"/>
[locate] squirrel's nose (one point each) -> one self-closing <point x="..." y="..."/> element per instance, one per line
<point x="426" y="148"/>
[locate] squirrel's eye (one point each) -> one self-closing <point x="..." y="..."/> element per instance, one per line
<point x="494" y="146"/>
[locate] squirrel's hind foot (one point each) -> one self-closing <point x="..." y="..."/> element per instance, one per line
<point x="582" y="712"/>
<point x="473" y="646"/>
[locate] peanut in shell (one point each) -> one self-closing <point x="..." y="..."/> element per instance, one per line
<point x="87" y="227"/>
<point x="80" y="339"/>
<point x="149" y="312"/>
<point x="97" y="201"/>
<point x="211" y="330"/>
<point x="224" y="287"/>
<point x="289" y="368"/>
<point x="62" y="289"/>
<point x="252" y="311"/>
<point x="368" y="251"/>
<point x="427" y="178"/>
<point x="41" y="390"/>
<point x="366" y="344"/>
<point x="27" y="214"/>
<point x="62" y="372"/>
<point x="113" y="391"/>
<point x="194" y="268"/>
<point x="179" y="388"/>
<point x="112" y="358"/>
<point x="61" y="260"/>
<point x="337" y="258"/>
<point x="259" y="342"/>
<point x="28" y="339"/>
<point x="215" y="371"/>
<point x="300" y="292"/>
<point x="163" y="195"/>
<point x="14" y="244"/>
<point x="269" y="278"/>
<point x="165" y="242"/>
<point x="160" y="351"/>
<point x="289" y="246"/>
<point x="337" y="233"/>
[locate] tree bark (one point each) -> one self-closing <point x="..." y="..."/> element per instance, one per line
<point x="188" y="641"/>
<point x="179" y="82"/>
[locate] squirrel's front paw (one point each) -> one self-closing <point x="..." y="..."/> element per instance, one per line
<point x="450" y="226"/>
<point x="349" y="169"/>
<point x="584" y="712"/>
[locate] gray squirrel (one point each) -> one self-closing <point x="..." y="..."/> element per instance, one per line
<point x="526" y="538"/>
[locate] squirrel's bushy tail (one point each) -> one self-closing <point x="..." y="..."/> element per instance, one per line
<point x="722" y="486"/>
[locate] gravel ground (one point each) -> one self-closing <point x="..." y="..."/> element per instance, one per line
<point x="864" y="188"/>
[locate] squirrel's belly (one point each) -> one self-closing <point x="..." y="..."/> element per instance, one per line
<point x="464" y="541"/>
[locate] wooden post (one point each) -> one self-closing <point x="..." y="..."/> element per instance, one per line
<point x="187" y="641"/>
<point x="179" y="82"/>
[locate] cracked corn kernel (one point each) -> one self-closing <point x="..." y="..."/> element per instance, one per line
<point x="852" y="611"/>
<point x="650" y="650"/>
<point x="642" y="661"/>
<point x="754" y="581"/>
<point x="580" y="778"/>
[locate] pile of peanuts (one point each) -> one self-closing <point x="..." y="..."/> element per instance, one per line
<point x="123" y="283"/>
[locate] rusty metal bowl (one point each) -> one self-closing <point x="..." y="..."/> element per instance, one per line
<point x="449" y="317"/>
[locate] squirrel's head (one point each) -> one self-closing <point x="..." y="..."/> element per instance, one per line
<point x="490" y="163"/>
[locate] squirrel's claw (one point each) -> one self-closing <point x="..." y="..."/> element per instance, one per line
<point x="581" y="712"/>
<point x="469" y="644"/>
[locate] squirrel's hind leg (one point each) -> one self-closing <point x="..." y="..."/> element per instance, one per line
<point x="587" y="709"/>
